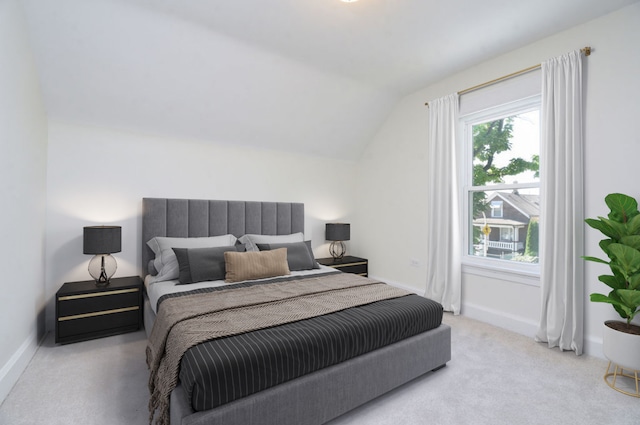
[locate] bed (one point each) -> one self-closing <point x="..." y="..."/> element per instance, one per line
<point x="327" y="389"/>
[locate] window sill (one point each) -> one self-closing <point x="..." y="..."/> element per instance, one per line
<point x="526" y="274"/>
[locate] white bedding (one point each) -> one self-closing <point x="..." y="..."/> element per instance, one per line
<point x="155" y="290"/>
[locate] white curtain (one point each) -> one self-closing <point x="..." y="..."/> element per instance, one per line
<point x="443" y="215"/>
<point x="561" y="168"/>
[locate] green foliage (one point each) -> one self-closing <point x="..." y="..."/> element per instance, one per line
<point x="622" y="247"/>
<point x="489" y="140"/>
<point x="525" y="258"/>
<point x="531" y="247"/>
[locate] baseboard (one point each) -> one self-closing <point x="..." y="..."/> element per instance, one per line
<point x="482" y="314"/>
<point x="18" y="362"/>
<point x="398" y="285"/>
<point x="517" y="324"/>
<point x="521" y="326"/>
<point x="500" y="319"/>
<point x="593" y="347"/>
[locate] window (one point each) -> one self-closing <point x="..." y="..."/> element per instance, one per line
<point x="496" y="209"/>
<point x="501" y="186"/>
<point x="506" y="234"/>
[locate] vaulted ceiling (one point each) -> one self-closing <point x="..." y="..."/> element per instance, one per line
<point x="309" y="76"/>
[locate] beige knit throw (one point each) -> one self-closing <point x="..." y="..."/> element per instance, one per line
<point x="186" y="321"/>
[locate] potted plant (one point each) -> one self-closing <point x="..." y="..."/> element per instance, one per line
<point x="621" y="340"/>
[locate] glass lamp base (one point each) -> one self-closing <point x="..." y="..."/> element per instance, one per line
<point x="101" y="268"/>
<point x="337" y="250"/>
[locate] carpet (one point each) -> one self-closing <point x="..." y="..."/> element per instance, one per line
<point x="494" y="377"/>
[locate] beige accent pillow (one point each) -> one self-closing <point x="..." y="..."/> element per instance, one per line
<point x="241" y="266"/>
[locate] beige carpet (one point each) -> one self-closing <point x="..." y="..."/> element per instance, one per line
<point x="495" y="377"/>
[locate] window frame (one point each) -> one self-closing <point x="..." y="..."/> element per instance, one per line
<point x="519" y="272"/>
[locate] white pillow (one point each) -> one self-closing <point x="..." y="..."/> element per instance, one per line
<point x="166" y="262"/>
<point x="250" y="241"/>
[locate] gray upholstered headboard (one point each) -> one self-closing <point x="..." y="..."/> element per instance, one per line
<point x="199" y="217"/>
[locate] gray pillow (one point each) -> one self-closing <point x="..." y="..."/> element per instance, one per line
<point x="165" y="261"/>
<point x="202" y="264"/>
<point x="299" y="254"/>
<point x="251" y="240"/>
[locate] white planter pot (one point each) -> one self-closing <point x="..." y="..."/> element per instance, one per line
<point x="621" y="348"/>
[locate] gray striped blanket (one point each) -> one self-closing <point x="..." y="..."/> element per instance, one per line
<point x="186" y="321"/>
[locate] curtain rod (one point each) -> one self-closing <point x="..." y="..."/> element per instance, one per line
<point x="585" y="50"/>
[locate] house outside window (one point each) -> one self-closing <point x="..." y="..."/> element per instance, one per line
<point x="501" y="186"/>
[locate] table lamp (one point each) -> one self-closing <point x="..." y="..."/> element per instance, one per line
<point x="102" y="241"/>
<point x="337" y="233"/>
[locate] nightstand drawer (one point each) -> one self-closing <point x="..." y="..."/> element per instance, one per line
<point x="79" y="328"/>
<point x="73" y="305"/>
<point x="348" y="264"/>
<point x="85" y="311"/>
<point x="355" y="268"/>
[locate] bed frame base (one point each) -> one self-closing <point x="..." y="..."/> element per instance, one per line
<point x="317" y="398"/>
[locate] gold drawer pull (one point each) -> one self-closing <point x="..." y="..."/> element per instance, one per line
<point x="98" y="313"/>
<point x="349" y="264"/>
<point x="98" y="294"/>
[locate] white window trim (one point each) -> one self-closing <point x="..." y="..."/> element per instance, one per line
<point x="513" y="271"/>
<point x="526" y="274"/>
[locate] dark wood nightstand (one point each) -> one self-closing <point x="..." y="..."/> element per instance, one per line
<point x="85" y="311"/>
<point x="347" y="264"/>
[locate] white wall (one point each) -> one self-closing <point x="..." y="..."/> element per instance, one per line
<point x="392" y="174"/>
<point x="23" y="141"/>
<point x="118" y="64"/>
<point x="99" y="176"/>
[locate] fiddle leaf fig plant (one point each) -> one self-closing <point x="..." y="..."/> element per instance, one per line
<point x="622" y="247"/>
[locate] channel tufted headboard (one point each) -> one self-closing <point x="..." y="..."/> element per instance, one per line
<point x="201" y="218"/>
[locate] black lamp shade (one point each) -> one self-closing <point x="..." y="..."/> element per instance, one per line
<point x="337" y="231"/>
<point x="102" y="239"/>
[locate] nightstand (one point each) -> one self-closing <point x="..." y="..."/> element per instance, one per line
<point x="347" y="264"/>
<point x="86" y="311"/>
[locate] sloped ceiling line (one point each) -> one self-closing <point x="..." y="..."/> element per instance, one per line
<point x="314" y="78"/>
